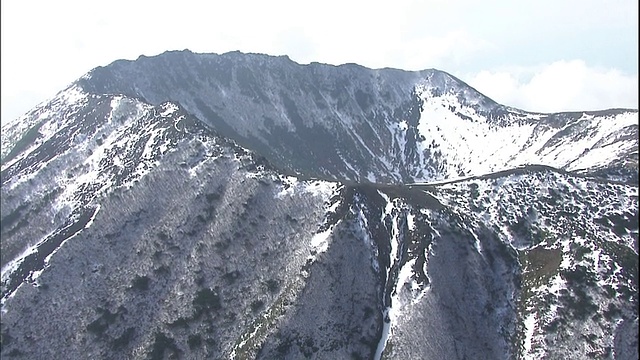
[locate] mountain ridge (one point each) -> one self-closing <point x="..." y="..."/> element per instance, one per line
<point x="350" y="64"/>
<point x="164" y="237"/>
<point x="261" y="119"/>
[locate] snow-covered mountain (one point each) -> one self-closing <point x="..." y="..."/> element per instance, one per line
<point x="245" y="206"/>
<point x="382" y="126"/>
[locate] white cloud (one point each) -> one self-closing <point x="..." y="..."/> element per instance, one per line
<point x="48" y="44"/>
<point x="447" y="50"/>
<point x="559" y="86"/>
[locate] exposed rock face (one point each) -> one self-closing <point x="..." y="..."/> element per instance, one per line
<point x="131" y="228"/>
<point x="382" y="126"/>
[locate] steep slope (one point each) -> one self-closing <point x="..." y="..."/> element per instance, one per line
<point x="472" y="140"/>
<point x="168" y="240"/>
<point x="382" y="126"/>
<point x="163" y="239"/>
<point x="577" y="243"/>
<point x="157" y="237"/>
<point x="81" y="147"/>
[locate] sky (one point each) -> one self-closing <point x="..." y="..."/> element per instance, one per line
<point x="544" y="55"/>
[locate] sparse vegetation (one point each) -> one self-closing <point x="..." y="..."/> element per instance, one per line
<point x="106" y="318"/>
<point x="194" y="341"/>
<point x="539" y="265"/>
<point x="272" y="285"/>
<point x="140" y="283"/>
<point x="163" y="347"/>
<point x="257" y="305"/>
<point x="124" y="339"/>
<point x="206" y="301"/>
<point x="231" y="277"/>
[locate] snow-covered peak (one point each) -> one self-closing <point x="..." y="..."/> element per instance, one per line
<point x="441" y="84"/>
<point x="469" y="141"/>
<point x="349" y="122"/>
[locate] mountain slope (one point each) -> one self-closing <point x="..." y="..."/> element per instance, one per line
<point x="128" y="212"/>
<point x="383" y="126"/>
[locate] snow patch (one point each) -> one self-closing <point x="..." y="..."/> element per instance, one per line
<point x="411" y="222"/>
<point x="530" y="327"/>
<point x="320" y="241"/>
<point x="169" y="108"/>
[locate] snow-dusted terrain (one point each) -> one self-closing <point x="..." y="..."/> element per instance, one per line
<point x="381" y="126"/>
<point x="472" y="143"/>
<point x="244" y="206"/>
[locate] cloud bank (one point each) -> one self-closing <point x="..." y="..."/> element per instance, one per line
<point x="559" y="86"/>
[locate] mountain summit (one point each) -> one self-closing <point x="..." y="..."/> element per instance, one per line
<point x="382" y="126"/>
<point x="246" y="206"/>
